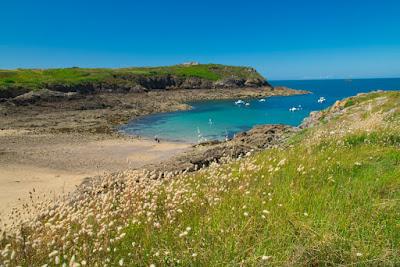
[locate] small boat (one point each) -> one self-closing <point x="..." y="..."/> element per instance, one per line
<point x="321" y="99"/>
<point x="261" y="100"/>
<point x="293" y="109"/>
<point x="247" y="104"/>
<point x="239" y="102"/>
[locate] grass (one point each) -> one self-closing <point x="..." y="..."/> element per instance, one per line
<point x="34" y="79"/>
<point x="331" y="197"/>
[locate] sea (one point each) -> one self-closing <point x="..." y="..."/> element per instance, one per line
<point x="221" y="119"/>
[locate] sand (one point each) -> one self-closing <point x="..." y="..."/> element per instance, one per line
<point x="54" y="164"/>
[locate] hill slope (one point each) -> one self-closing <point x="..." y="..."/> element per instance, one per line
<point x="328" y="196"/>
<point x="16" y="82"/>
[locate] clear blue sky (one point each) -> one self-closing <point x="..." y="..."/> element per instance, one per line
<point x="283" y="39"/>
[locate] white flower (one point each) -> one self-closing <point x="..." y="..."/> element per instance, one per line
<point x="358" y="254"/>
<point x="183" y="234"/>
<point x="305" y="214"/>
<point x="245" y="214"/>
<point x="52" y="254"/>
<point x="152" y="265"/>
<point x="265" y="258"/>
<point x="194" y="255"/>
<point x="121" y="262"/>
<point x="57" y="260"/>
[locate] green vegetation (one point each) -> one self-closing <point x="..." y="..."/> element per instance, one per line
<point x="33" y="79"/>
<point x="331" y="197"/>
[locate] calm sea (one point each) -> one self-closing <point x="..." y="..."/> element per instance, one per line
<point x="218" y="119"/>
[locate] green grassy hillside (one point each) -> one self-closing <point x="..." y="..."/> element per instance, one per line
<point x="33" y="79"/>
<point x="331" y="196"/>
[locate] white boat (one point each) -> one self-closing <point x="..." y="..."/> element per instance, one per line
<point x="321" y="99"/>
<point x="239" y="102"/>
<point x="261" y="100"/>
<point x="247" y="104"/>
<point x="293" y="109"/>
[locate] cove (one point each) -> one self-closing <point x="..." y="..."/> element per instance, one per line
<point x="220" y="119"/>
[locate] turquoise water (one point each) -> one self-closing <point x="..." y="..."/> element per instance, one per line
<point x="220" y="119"/>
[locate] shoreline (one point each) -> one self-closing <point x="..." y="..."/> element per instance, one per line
<point x="57" y="145"/>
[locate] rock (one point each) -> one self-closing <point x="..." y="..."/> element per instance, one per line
<point x="42" y="95"/>
<point x="138" y="89"/>
<point x="257" y="139"/>
<point x="195" y="83"/>
<point x="229" y="83"/>
<point x="254" y="83"/>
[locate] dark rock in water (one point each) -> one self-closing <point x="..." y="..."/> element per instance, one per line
<point x="257" y="139"/>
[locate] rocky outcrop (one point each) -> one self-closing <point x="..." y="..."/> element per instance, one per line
<point x="43" y="95"/>
<point x="129" y="84"/>
<point x="257" y="139"/>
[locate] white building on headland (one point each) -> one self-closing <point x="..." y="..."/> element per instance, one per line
<point x="190" y="63"/>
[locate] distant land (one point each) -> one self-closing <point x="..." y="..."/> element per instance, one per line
<point x="191" y="75"/>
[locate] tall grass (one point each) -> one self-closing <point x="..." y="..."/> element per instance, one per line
<point x="327" y="199"/>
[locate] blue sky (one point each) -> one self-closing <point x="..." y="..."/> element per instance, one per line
<point x="282" y="39"/>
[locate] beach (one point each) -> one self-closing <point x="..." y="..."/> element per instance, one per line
<point x="51" y="145"/>
<point x="54" y="164"/>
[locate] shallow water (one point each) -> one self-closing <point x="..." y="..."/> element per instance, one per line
<point x="220" y="119"/>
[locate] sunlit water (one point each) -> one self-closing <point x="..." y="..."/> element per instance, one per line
<point x="220" y="119"/>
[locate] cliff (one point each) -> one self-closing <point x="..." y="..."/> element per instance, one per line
<point x="123" y="80"/>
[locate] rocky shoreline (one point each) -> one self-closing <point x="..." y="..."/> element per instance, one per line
<point x="56" y="112"/>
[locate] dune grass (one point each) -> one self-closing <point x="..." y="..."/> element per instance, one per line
<point x="330" y="197"/>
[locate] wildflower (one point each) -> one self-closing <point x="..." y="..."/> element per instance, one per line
<point x="265" y="211"/>
<point x="282" y="162"/>
<point x="305" y="214"/>
<point x="152" y="265"/>
<point x="183" y="234"/>
<point x="83" y="263"/>
<point x="194" y="255"/>
<point x="245" y="214"/>
<point x="265" y="258"/>
<point x="358" y="254"/>
<point x="188" y="229"/>
<point x="57" y="260"/>
<point x="121" y="262"/>
<point x="52" y="254"/>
